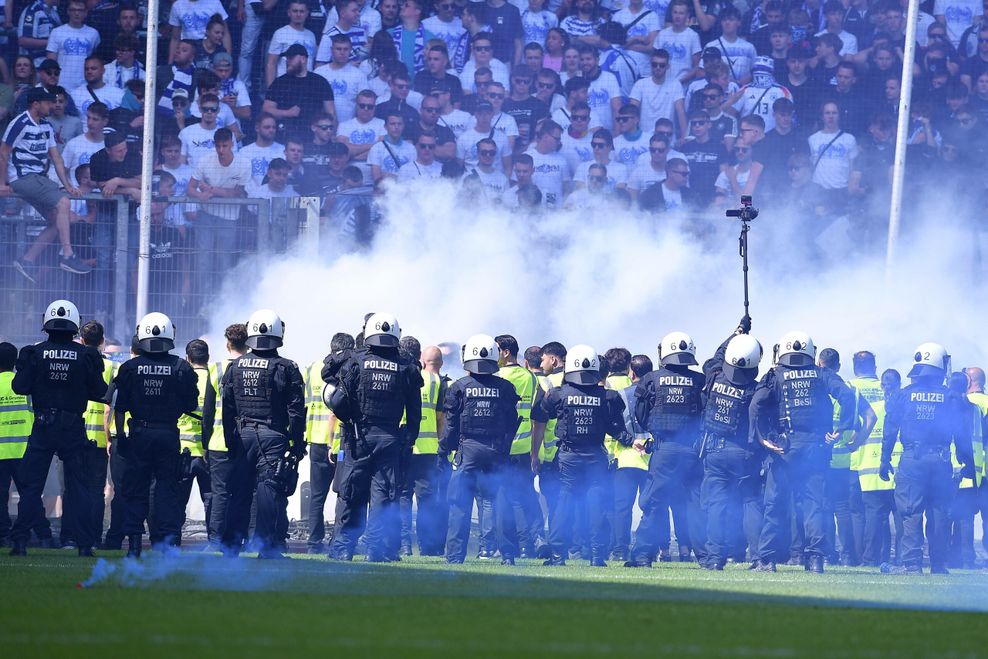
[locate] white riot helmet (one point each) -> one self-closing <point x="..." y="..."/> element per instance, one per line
<point x="582" y="365"/>
<point x="795" y="349"/>
<point x="382" y="330"/>
<point x="741" y="358"/>
<point x="156" y="333"/>
<point x="930" y="359"/>
<point x="479" y="354"/>
<point x="265" y="330"/>
<point x="61" y="316"/>
<point x="677" y="349"/>
<point x="327" y="393"/>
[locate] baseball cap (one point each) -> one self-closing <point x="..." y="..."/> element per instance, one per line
<point x="39" y="94"/>
<point x="180" y="93"/>
<point x="49" y="65"/>
<point x="711" y="52"/>
<point x="296" y="49"/>
<point x="222" y="58"/>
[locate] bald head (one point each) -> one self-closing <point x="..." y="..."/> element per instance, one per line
<point x="432" y="359"/>
<point x="976" y="379"/>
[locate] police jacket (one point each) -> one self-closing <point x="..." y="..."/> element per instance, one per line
<point x="59" y="374"/>
<point x="796" y="401"/>
<point x="332" y="364"/>
<point x="584" y="413"/>
<point x="927" y="414"/>
<point x="482" y="408"/>
<point x="380" y="387"/>
<point x="727" y="397"/>
<point x="156" y="387"/>
<point x="668" y="403"/>
<point x="263" y="387"/>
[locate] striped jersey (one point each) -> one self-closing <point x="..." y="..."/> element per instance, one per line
<point x="29" y="143"/>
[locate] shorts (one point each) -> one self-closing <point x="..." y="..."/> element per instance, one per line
<point x="39" y="191"/>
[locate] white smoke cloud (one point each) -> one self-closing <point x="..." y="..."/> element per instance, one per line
<point x="449" y="266"/>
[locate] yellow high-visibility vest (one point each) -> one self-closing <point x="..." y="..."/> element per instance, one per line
<point x="95" y="412"/>
<point x="16" y="420"/>
<point x="427" y="442"/>
<point x="978" y="447"/>
<point x="216" y="371"/>
<point x="627" y="457"/>
<point x="550" y="444"/>
<point x="981" y="400"/>
<point x="526" y="385"/>
<point x="318" y="420"/>
<point x="871" y="455"/>
<point x="189" y="427"/>
<point x="870" y="389"/>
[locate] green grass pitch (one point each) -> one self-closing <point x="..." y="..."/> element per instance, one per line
<point x="196" y="606"/>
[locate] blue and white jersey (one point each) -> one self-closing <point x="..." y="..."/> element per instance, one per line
<point x="36" y="22"/>
<point x="29" y="143"/>
<point x="537" y="24"/>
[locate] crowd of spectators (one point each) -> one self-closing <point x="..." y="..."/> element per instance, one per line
<point x="650" y="104"/>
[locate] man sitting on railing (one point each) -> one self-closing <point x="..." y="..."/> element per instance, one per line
<point x="27" y="151"/>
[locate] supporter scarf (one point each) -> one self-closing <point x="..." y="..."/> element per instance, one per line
<point x="418" y="62"/>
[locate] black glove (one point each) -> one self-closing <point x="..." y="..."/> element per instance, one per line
<point x="885" y="471"/>
<point x="297" y="450"/>
<point x="745" y="325"/>
<point x="967" y="471"/>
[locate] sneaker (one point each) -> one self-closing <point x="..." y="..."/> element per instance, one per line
<point x="27" y="270"/>
<point x="74" y="265"/>
<point x="485" y="555"/>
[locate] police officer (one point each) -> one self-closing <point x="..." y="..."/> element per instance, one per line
<point x="155" y="388"/>
<point x="376" y="387"/>
<point x="264" y="404"/>
<point x="60" y="376"/>
<point x="668" y="403"/>
<point x="481" y="420"/>
<point x="792" y="415"/>
<point x="731" y="378"/>
<point x="321" y="436"/>
<point x="585" y="413"/>
<point x="195" y="431"/>
<point x="926" y="417"/>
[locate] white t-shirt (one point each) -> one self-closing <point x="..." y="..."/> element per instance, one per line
<point x="599" y="96"/>
<point x="576" y="150"/>
<point x="629" y="152"/>
<point x="737" y="55"/>
<point x="495" y="182"/>
<point x="346" y="82"/>
<point x="358" y="133"/>
<point x="724" y="183"/>
<point x="958" y="15"/>
<point x="414" y="169"/>
<point x="550" y="174"/>
<point x="111" y="96"/>
<point x="72" y="46"/>
<point x="77" y="151"/>
<point x="466" y="146"/>
<point x="833" y="167"/>
<point x="657" y="101"/>
<point x="698" y="85"/>
<point x="286" y="36"/>
<point x="536" y="25"/>
<point x="448" y="32"/>
<point x="503" y="124"/>
<point x="617" y="174"/>
<point x="182" y="174"/>
<point x="193" y="16"/>
<point x="646" y="26"/>
<point x="381" y="157"/>
<point x="584" y="199"/>
<point x="682" y="46"/>
<point x="498" y="71"/>
<point x="849" y="41"/>
<point x="260" y="157"/>
<point x="197" y="142"/>
<point x="457" y="121"/>
<point x="642" y="175"/>
<point x="208" y="170"/>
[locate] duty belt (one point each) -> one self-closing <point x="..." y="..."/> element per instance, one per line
<point x="156" y="425"/>
<point x="918" y="449"/>
<point x="257" y="423"/>
<point x="715" y="442"/>
<point x="52" y="415"/>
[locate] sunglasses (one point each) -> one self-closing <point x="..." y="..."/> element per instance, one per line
<point x="522" y="81"/>
<point x="657" y="149"/>
<point x="365" y="106"/>
<point x="662" y="133"/>
<point x="711" y="97"/>
<point x="486" y="152"/>
<point x="546" y="85"/>
<point x="430" y="110"/>
<point x="659" y="65"/>
<point x="325" y="126"/>
<point x="581" y="117"/>
<point x="498" y="96"/>
<point x="596" y="179"/>
<point x="599" y="145"/>
<point x="427" y="147"/>
<point x="699" y="122"/>
<point x="679" y="172"/>
<point x="210" y="108"/>
<point x="483" y="49"/>
<point x="740" y="150"/>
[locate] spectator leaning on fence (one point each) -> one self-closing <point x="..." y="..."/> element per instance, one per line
<point x="27" y="151"/>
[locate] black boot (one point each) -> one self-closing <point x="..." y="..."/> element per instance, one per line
<point x="134" y="546"/>
<point x="86" y="552"/>
<point x="814" y="563"/>
<point x="19" y="548"/>
<point x="555" y="559"/>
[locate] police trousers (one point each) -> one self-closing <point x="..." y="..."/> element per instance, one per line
<point x="152" y="453"/>
<point x="321" y="471"/>
<point x="525" y="501"/>
<point x="840" y="530"/>
<point x="263" y="448"/>
<point x="421" y="479"/>
<point x="724" y="471"/>
<point x="797" y="477"/>
<point x="371" y="479"/>
<point x="628" y="483"/>
<point x="674" y="477"/>
<point x="877" y="546"/>
<point x="63" y="435"/>
<point x="95" y="470"/>
<point x="924" y="484"/>
<point x="198" y="472"/>
<point x="479" y="469"/>
<point x="582" y="475"/>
